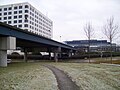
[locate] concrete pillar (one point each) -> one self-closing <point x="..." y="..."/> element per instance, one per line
<point x="56" y="56"/>
<point x="50" y="55"/>
<point x="3" y="58"/>
<point x="6" y="43"/>
<point x="25" y="55"/>
<point x="60" y="52"/>
<point x="56" y="52"/>
<point x="60" y="55"/>
<point x="49" y="51"/>
<point x="70" y="53"/>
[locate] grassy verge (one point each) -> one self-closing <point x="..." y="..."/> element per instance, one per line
<point x="27" y="76"/>
<point x="92" y="76"/>
<point x="116" y="60"/>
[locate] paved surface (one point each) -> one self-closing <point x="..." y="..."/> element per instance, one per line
<point x="64" y="82"/>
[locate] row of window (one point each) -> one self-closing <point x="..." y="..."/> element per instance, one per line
<point x="15" y="12"/>
<point x="15" y="17"/>
<point x="15" y="21"/>
<point x="15" y="7"/>
<point x="46" y="33"/>
<point x="20" y="25"/>
<point x="42" y="33"/>
<point x="36" y="29"/>
<point x="37" y="21"/>
<point x="45" y="20"/>
<point x="37" y="25"/>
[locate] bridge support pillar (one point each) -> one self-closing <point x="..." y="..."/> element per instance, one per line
<point x="6" y="43"/>
<point x="49" y="55"/>
<point x="56" y="56"/>
<point x="56" y="52"/>
<point x="49" y="51"/>
<point x="25" y="55"/>
<point x="3" y="58"/>
<point x="70" y="53"/>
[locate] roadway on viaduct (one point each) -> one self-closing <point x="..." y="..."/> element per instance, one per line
<point x="12" y="37"/>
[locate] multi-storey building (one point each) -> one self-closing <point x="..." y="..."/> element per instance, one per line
<point x="95" y="45"/>
<point x="26" y="17"/>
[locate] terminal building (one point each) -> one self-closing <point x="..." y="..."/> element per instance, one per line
<point x="28" y="18"/>
<point x="95" y="45"/>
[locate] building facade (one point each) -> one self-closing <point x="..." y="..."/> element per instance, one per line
<point x="95" y="45"/>
<point x="26" y="17"/>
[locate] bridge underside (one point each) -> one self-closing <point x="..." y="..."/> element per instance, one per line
<point x="11" y="37"/>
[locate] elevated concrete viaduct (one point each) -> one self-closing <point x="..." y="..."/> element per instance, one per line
<point x="12" y="37"/>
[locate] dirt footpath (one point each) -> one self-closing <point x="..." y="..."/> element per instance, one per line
<point x="64" y="82"/>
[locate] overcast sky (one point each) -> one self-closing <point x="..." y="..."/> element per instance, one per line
<point x="70" y="16"/>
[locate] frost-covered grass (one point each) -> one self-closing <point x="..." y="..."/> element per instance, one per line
<point x="92" y="76"/>
<point x="27" y="76"/>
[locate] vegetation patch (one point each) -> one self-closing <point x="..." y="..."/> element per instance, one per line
<point x="27" y="76"/>
<point x="92" y="76"/>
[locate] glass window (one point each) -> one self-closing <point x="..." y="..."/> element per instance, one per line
<point x="20" y="11"/>
<point x="20" y="25"/>
<point x="5" y="9"/>
<point x="26" y="20"/>
<point x="15" y="21"/>
<point x="32" y="14"/>
<point x="32" y="23"/>
<point x="9" y="22"/>
<point x="26" y="25"/>
<point x="15" y="7"/>
<point x="9" y="17"/>
<point x="5" y="13"/>
<point x="26" y="11"/>
<point x="0" y="14"/>
<point x="26" y="16"/>
<point x="9" y="13"/>
<point x="20" y="7"/>
<point x="0" y="18"/>
<point x="15" y="12"/>
<point x="15" y="17"/>
<point x="10" y="8"/>
<point x="0" y="9"/>
<point x="5" y="18"/>
<point x="26" y="6"/>
<point x="20" y="21"/>
<point x="20" y="16"/>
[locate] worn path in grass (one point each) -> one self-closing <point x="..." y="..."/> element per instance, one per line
<point x="64" y="82"/>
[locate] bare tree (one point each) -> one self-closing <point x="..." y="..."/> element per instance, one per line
<point x="111" y="32"/>
<point x="89" y="31"/>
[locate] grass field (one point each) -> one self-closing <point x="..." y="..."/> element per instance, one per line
<point x="116" y="60"/>
<point x="27" y="76"/>
<point x="92" y="76"/>
<point x="34" y="76"/>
